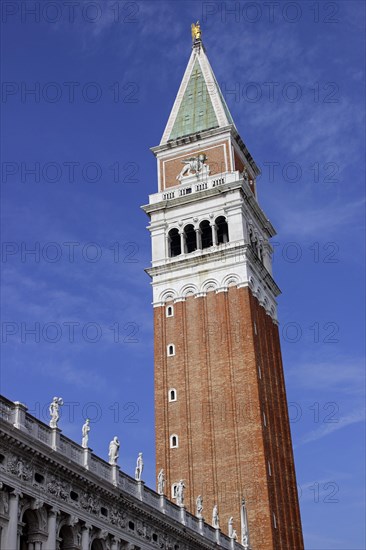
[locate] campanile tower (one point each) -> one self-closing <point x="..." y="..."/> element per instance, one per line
<point x="220" y="402"/>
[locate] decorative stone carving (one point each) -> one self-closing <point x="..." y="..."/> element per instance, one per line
<point x="85" y="434"/>
<point x="4" y="501"/>
<point x="37" y="504"/>
<point x="42" y="515"/>
<point x="161" y="482"/>
<point x="141" y="529"/>
<point x="147" y="532"/>
<point x="58" y="488"/>
<point x="118" y="518"/>
<point x="54" y="409"/>
<point x="103" y="534"/>
<point x="199" y="506"/>
<point x="72" y="521"/>
<point x="165" y="542"/>
<point x="245" y="175"/>
<point x="139" y="467"/>
<point x="196" y="165"/>
<point x="90" y="503"/>
<point x="114" y="451"/>
<point x="17" y="467"/>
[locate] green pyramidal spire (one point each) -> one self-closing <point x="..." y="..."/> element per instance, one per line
<point x="196" y="112"/>
<point x="199" y="105"/>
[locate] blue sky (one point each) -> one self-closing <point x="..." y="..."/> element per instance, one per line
<point x="104" y="85"/>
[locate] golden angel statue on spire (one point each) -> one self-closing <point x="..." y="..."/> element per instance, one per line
<point x="196" y="31"/>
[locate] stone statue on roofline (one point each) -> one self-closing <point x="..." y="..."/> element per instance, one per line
<point x="180" y="493"/>
<point x="139" y="467"/>
<point x="244" y="525"/>
<point x="114" y="451"/>
<point x="215" y="517"/>
<point x="54" y="409"/>
<point x="85" y="433"/>
<point x="245" y="175"/>
<point x="161" y="482"/>
<point x="199" y="506"/>
<point x="231" y="531"/>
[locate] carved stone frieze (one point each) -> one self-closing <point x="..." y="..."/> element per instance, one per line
<point x="90" y="503"/>
<point x="165" y="542"/>
<point x="118" y="518"/>
<point x="142" y="530"/>
<point x="58" y="488"/>
<point x="19" y="468"/>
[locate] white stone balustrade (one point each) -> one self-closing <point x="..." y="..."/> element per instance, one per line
<point x="193" y="184"/>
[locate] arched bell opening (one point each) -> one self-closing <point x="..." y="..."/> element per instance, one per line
<point x="190" y="238"/>
<point x="206" y="234"/>
<point x="222" y="230"/>
<point x="174" y="243"/>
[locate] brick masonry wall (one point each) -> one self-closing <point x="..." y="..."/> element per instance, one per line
<point x="225" y="449"/>
<point x="239" y="165"/>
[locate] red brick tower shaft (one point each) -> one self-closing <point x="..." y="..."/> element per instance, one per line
<point x="221" y="412"/>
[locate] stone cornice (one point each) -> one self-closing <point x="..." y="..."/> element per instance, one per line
<point x="244" y="149"/>
<point x="208" y="255"/>
<point x="192" y="138"/>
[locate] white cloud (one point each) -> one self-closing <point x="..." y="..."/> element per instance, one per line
<point x="343" y="375"/>
<point x="326" y="429"/>
<point x="321" y="221"/>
